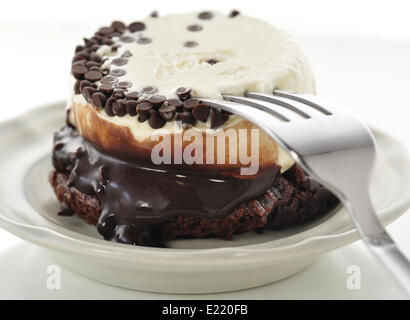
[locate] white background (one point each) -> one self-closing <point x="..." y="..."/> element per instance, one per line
<point x="360" y="52"/>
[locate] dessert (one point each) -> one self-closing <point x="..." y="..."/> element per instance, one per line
<point x="146" y="160"/>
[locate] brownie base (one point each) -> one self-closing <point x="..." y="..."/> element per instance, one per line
<point x="294" y="198"/>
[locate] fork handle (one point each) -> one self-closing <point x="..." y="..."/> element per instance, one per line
<point x="379" y="241"/>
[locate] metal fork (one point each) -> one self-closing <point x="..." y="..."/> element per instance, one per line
<point x="333" y="147"/>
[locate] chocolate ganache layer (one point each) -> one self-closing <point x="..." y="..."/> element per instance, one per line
<point x="139" y="197"/>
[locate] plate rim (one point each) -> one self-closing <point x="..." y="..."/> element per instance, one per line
<point x="241" y="256"/>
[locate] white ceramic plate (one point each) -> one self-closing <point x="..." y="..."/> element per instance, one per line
<point x="28" y="209"/>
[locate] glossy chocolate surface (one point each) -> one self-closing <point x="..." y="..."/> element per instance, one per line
<point x="135" y="198"/>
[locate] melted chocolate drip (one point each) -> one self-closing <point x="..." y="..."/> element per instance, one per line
<point x="135" y="198"/>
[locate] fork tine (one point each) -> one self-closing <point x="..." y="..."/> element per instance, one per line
<point x="273" y="107"/>
<point x="307" y="99"/>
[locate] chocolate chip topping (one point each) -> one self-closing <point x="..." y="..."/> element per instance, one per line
<point x="119" y="108"/>
<point x="154" y="14"/>
<point x="167" y="112"/>
<point x="98" y="99"/>
<point x="190" y="104"/>
<point x="144" y="40"/>
<point x="234" y="13"/>
<point x="201" y="112"/>
<point x="86" y="83"/>
<point x="77" y="87"/>
<point x="186" y="117"/>
<point x="183" y="93"/>
<point x="118" y="72"/>
<point x="119" y="94"/>
<point x="218" y="118"/>
<point x="157" y="100"/>
<point x="93" y="75"/>
<point x="109" y="106"/>
<point x="105" y="31"/>
<point x="118" y="26"/>
<point x="79" y="71"/>
<point x="134" y="95"/>
<point x="131" y="107"/>
<point x="195" y="27"/>
<point x="119" y="61"/>
<point x="150" y="90"/>
<point x="124" y="84"/>
<point x="87" y="92"/>
<point x="136" y="26"/>
<point x="127" y="39"/>
<point x="178" y="104"/>
<point x="212" y="61"/>
<point x="143" y="110"/>
<point x="109" y="80"/>
<point x="190" y="44"/>
<point x="206" y="15"/>
<point x="155" y="120"/>
<point x="107" y="88"/>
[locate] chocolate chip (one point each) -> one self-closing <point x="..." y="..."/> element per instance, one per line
<point x="206" y="15"/>
<point x="80" y="63"/>
<point x="107" y="42"/>
<point x="190" y="104"/>
<point x="98" y="99"/>
<point x="118" y="26"/>
<point x="95" y="57"/>
<point x="124" y="84"/>
<point x="107" y="88"/>
<point x="86" y="83"/>
<point x="79" y="48"/>
<point x="131" y="107"/>
<point x="119" y="61"/>
<point x="144" y="40"/>
<point x="186" y="117"/>
<point x="127" y="39"/>
<point x="201" y="112"/>
<point x="167" y="112"/>
<point x="150" y="90"/>
<point x="212" y="61"/>
<point x="136" y="26"/>
<point x="234" y="13"/>
<point x="95" y="68"/>
<point x="115" y="47"/>
<point x="79" y="71"/>
<point x="183" y="93"/>
<point x="119" y="108"/>
<point x="93" y="75"/>
<point x="106" y="31"/>
<point x="77" y="87"/>
<point x="119" y="94"/>
<point x="87" y="92"/>
<point x="218" y="118"/>
<point x="155" y="120"/>
<point x="126" y="54"/>
<point x="109" y="105"/>
<point x="109" y="80"/>
<point x="134" y="95"/>
<point x="157" y="100"/>
<point x="195" y="27"/>
<point x="176" y="103"/>
<point x="143" y="110"/>
<point x="94" y="47"/>
<point x="190" y="44"/>
<point x="90" y="64"/>
<point x="154" y="14"/>
<point x="118" y="72"/>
